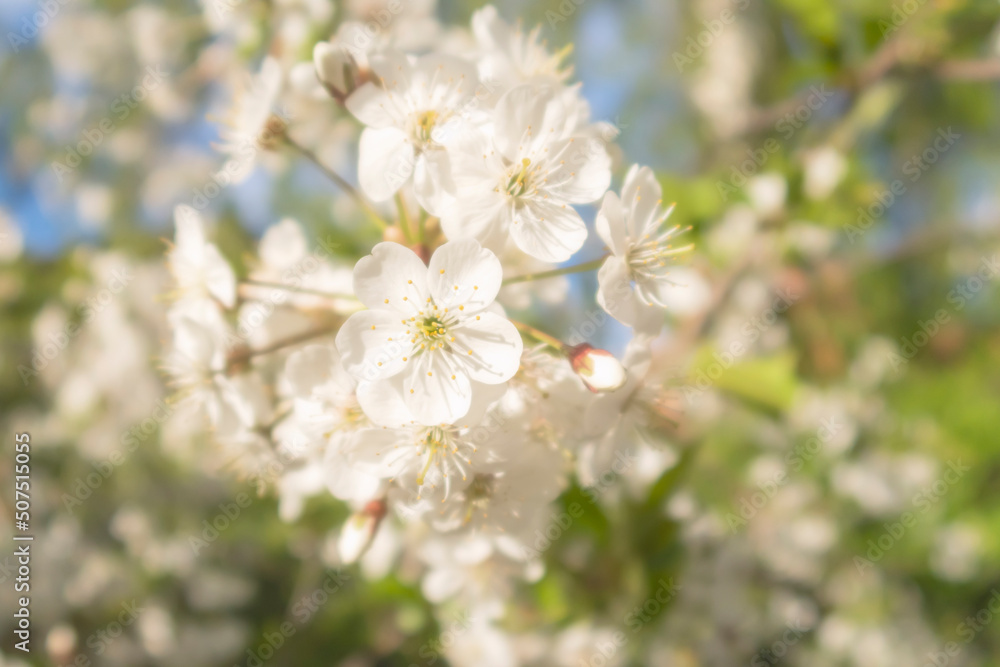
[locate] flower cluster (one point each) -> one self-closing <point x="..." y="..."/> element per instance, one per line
<point x="402" y="386"/>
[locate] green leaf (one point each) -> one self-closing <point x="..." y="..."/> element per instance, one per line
<point x="765" y="382"/>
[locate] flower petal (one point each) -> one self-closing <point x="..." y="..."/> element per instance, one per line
<point x="583" y="173"/>
<point x="190" y="234"/>
<point x="385" y="161"/>
<point x="463" y="273"/>
<point x="525" y="115"/>
<point x="483" y="396"/>
<point x="610" y="224"/>
<point x="283" y="245"/>
<point x="308" y="368"/>
<point x="641" y="196"/>
<point x="393" y="278"/>
<point x="483" y="216"/>
<point x="442" y="81"/>
<point x="432" y="183"/>
<point x="438" y="392"/>
<point x="220" y="281"/>
<point x="372" y="344"/>
<point x="615" y="294"/>
<point x="382" y="402"/>
<point x="547" y="231"/>
<point x="344" y="480"/>
<point x="381" y="452"/>
<point x="495" y="344"/>
<point x="370" y="104"/>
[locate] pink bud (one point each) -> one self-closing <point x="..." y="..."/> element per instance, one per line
<point x="598" y="369"/>
<point x="336" y="69"/>
<point x="359" y="530"/>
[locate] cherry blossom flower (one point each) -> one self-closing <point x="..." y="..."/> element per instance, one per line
<point x="637" y="275"/>
<point x="512" y="56"/>
<point x="406" y="108"/>
<point x="429" y="334"/>
<point x="522" y="179"/>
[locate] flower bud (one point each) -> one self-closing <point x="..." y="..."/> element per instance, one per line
<point x="598" y="369"/>
<point x="336" y="69"/>
<point x="359" y="530"/>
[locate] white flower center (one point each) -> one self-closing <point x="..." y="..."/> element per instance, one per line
<point x="648" y="256"/>
<point x="520" y="180"/>
<point x="422" y="125"/>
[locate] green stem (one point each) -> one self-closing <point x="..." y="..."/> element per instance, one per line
<point x="541" y="336"/>
<point x="298" y="290"/>
<point x="342" y="183"/>
<point x="422" y="227"/>
<point x="576" y="268"/>
<point x="404" y="219"/>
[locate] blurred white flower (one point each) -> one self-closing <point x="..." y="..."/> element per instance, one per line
<point x="407" y="108"/>
<point x="521" y="175"/>
<point x="637" y="274"/>
<point x="199" y="269"/>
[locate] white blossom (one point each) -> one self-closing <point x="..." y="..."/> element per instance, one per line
<point x="521" y="175"/>
<point x="406" y="108"/>
<point x="429" y="339"/>
<point x="637" y="274"/>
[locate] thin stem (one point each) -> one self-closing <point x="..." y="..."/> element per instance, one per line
<point x="576" y="268"/>
<point x="242" y="356"/>
<point x="298" y="290"/>
<point x="541" y="336"/>
<point x="340" y="181"/>
<point x="422" y="227"/>
<point x="404" y="219"/>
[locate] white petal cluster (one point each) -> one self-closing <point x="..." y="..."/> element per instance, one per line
<point x="402" y="387"/>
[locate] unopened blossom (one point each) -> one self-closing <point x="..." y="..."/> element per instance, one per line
<point x="198" y="268"/>
<point x="336" y="68"/>
<point x="598" y="369"/>
<point x="429" y="334"/>
<point x="637" y="274"/>
<point x="407" y="108"/>
<point x="359" y="530"/>
<point x="522" y="179"/>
